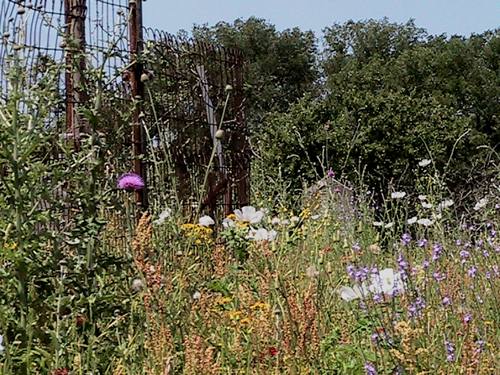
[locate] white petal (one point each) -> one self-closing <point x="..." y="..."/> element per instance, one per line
<point x="348" y="294"/>
<point x="206" y="221"/>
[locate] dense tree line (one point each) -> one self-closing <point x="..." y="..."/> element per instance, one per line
<point x="377" y="97"/>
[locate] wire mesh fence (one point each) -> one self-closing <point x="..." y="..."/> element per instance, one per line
<point x="178" y="92"/>
<point x="195" y="90"/>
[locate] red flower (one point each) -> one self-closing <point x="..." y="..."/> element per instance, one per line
<point x="60" y="371"/>
<point x="273" y="351"/>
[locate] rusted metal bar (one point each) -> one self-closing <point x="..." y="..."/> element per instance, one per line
<point x="75" y="15"/>
<point x="137" y="89"/>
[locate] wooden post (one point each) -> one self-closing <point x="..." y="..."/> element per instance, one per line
<point x="137" y="89"/>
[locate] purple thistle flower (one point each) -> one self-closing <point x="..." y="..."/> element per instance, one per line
<point x="406" y="239"/>
<point x="130" y="182"/>
<point x="370" y="369"/>
<point x="330" y="173"/>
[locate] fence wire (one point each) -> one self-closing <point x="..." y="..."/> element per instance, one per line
<point x="180" y="107"/>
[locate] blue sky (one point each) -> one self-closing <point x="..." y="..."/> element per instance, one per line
<point x="437" y="16"/>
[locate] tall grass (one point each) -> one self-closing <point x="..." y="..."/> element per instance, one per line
<point x="176" y="298"/>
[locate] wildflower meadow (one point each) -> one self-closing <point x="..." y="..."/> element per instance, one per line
<point x="319" y="273"/>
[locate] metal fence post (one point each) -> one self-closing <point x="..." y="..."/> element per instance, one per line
<point x="137" y="89"/>
<point x="75" y="12"/>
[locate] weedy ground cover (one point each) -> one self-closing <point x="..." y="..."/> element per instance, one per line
<point x="339" y="284"/>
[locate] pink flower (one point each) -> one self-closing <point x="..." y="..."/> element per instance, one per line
<point x="130" y="182"/>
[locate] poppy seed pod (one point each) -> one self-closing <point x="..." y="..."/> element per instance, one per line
<point x="229" y="88"/>
<point x="219" y="134"/>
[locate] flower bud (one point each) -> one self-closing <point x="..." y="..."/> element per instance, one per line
<point x="219" y="134"/>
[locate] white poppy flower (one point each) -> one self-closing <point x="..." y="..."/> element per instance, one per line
<point x="386" y="281"/>
<point x="425" y="222"/>
<point x="167" y="212"/>
<point x="412" y="220"/>
<point x="315" y="217"/>
<point x="206" y="221"/>
<point x="262" y="234"/>
<point x="481" y="204"/>
<point x="349" y="294"/>
<point x="426" y="205"/>
<point x="295" y="219"/>
<point x="398" y="195"/>
<point x="228" y="223"/>
<point x="422" y="197"/>
<point x="424" y="163"/>
<point x="249" y="214"/>
<point x="378" y="224"/>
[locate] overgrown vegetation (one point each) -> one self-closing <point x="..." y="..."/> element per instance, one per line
<point x="388" y="265"/>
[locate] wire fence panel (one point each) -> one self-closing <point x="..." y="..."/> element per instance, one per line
<point x="175" y="91"/>
<point x="186" y="105"/>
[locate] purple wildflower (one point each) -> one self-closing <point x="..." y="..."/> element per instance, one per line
<point x="450" y="351"/>
<point x="446" y="301"/>
<point x="467" y="318"/>
<point x="472" y="271"/>
<point x="437" y="250"/>
<point x="402" y="263"/>
<point x="330" y="173"/>
<point x="351" y="271"/>
<point x="422" y="242"/>
<point x="480" y="346"/>
<point x="464" y="254"/>
<point x="416" y="307"/>
<point x="377" y="298"/>
<point x="439" y="276"/>
<point x="406" y="239"/>
<point x="356" y="247"/>
<point x="370" y="369"/>
<point x="425" y="264"/>
<point x="130" y="182"/>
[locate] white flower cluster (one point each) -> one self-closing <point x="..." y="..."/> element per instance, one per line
<point x="250" y="215"/>
<point x="385" y="282"/>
